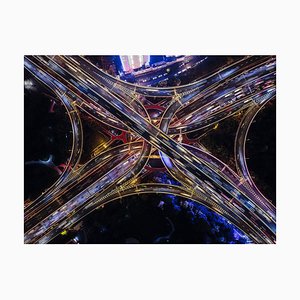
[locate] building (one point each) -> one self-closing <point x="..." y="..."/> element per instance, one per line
<point x="132" y="62"/>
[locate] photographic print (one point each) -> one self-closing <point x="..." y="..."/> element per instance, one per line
<point x="150" y="149"/>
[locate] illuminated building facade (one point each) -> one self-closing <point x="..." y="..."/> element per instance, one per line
<point x="131" y="62"/>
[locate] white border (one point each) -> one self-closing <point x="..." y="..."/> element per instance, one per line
<point x="142" y="271"/>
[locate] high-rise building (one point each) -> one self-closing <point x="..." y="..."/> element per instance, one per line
<point x="130" y="62"/>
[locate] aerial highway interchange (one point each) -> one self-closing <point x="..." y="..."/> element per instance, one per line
<point x="247" y="84"/>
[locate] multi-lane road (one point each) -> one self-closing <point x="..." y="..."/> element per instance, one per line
<point x="248" y="82"/>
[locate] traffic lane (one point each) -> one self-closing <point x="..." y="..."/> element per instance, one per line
<point x="166" y="149"/>
<point x="70" y="85"/>
<point x="76" y="187"/>
<point x="117" y="112"/>
<point x="151" y="188"/>
<point x="82" y="206"/>
<point x="211" y="118"/>
<point x="70" y="207"/>
<point x="85" y="170"/>
<point x="215" y="99"/>
<point x="148" y="91"/>
<point x="240" y="143"/>
<point x="244" y="212"/>
<point x="231" y="83"/>
<point x="66" y="63"/>
<point x="120" y="110"/>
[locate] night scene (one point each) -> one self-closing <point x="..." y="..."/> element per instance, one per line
<point x="150" y="149"/>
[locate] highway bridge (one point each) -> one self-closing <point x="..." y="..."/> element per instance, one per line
<point x="248" y="83"/>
